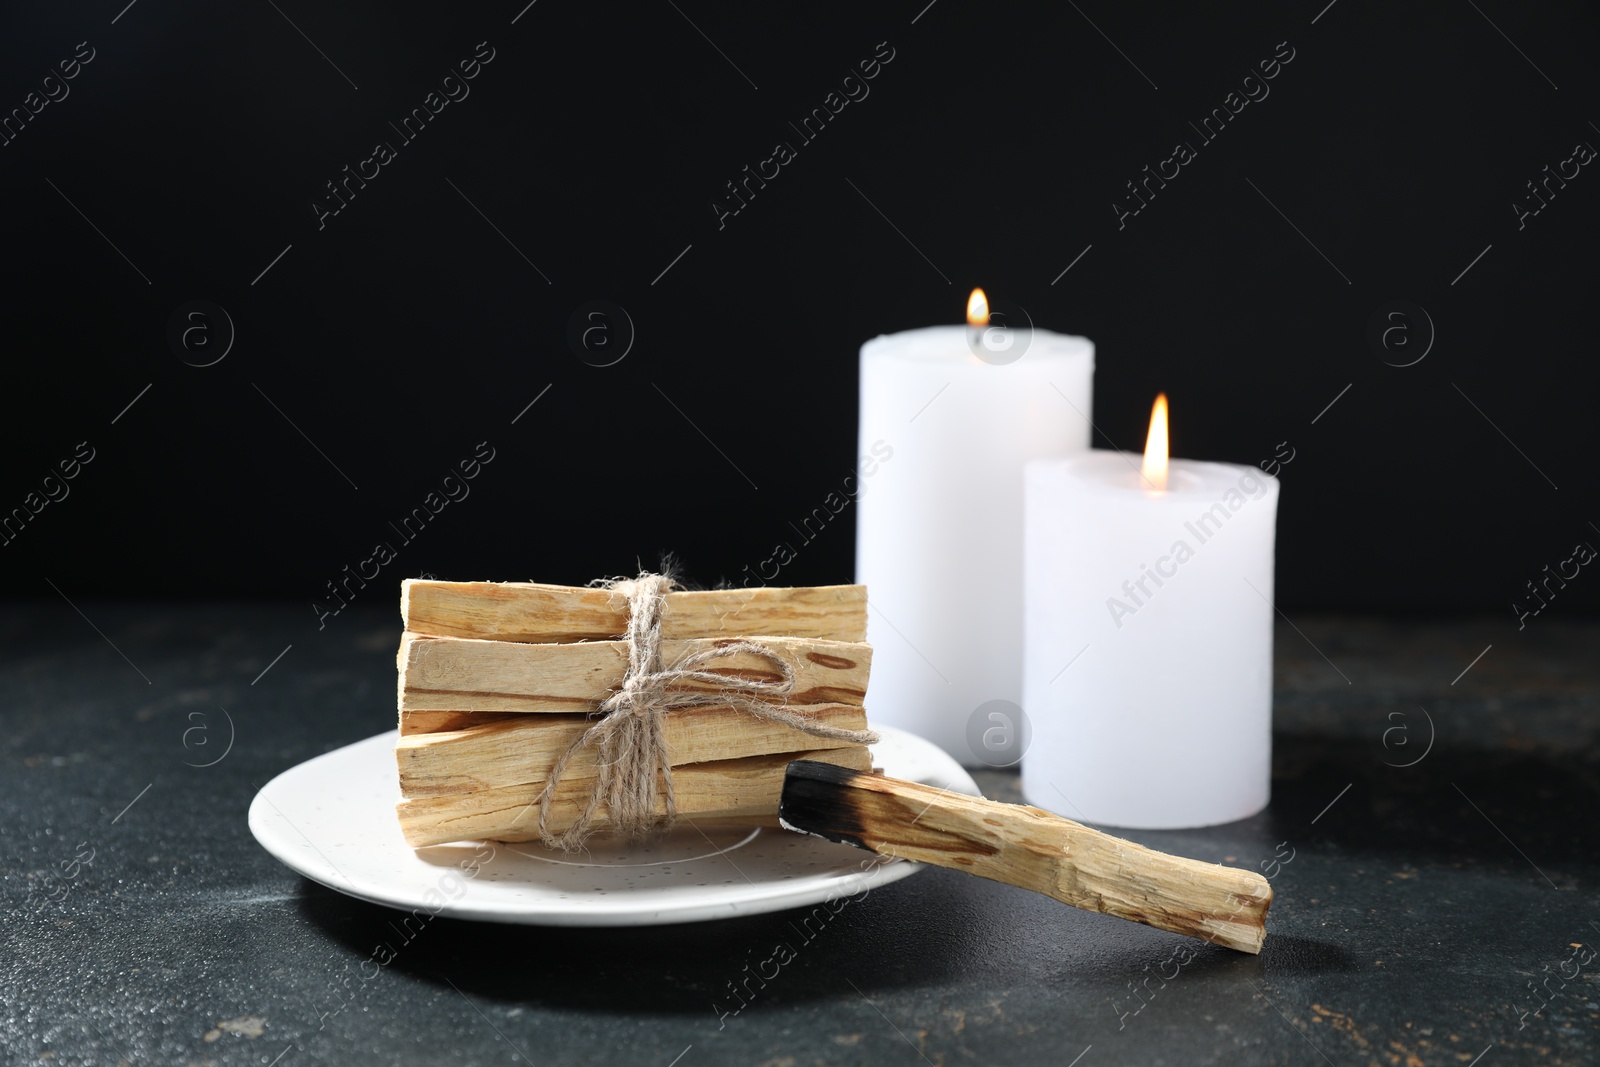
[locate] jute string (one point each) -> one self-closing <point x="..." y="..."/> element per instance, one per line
<point x="628" y="736"/>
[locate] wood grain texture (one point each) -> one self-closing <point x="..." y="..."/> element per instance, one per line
<point x="462" y="674"/>
<point x="745" y="788"/>
<point x="1029" y="847"/>
<point x="522" y="748"/>
<point x="549" y="614"/>
<point x="433" y="722"/>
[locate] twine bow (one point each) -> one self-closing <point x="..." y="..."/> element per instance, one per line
<point x="629" y="736"/>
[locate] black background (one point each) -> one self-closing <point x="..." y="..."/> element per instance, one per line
<point x="996" y="141"/>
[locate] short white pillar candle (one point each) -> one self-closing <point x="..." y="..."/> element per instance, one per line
<point x="1147" y="650"/>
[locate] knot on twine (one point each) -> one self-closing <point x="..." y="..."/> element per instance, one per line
<point x="629" y="738"/>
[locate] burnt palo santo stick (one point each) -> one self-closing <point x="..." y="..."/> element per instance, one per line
<point x="1027" y="847"/>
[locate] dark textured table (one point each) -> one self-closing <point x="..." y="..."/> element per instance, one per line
<point x="1437" y="913"/>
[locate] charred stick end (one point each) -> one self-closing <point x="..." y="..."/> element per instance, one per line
<point x="818" y="799"/>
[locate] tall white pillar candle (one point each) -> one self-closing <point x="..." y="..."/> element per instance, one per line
<point x="1148" y="641"/>
<point x="939" y="522"/>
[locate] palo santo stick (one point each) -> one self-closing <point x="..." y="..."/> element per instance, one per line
<point x="462" y="674"/>
<point x="1028" y="847"/>
<point x="738" y="788"/>
<point x="438" y="722"/>
<point x="524" y="748"/>
<point x="550" y="614"/>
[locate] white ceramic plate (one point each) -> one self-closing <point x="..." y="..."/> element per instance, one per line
<point x="332" y="819"/>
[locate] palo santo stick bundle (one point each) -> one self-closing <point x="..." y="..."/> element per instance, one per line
<point x="506" y="687"/>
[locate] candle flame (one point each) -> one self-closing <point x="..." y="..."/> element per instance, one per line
<point x="977" y="309"/>
<point x="1155" y="447"/>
